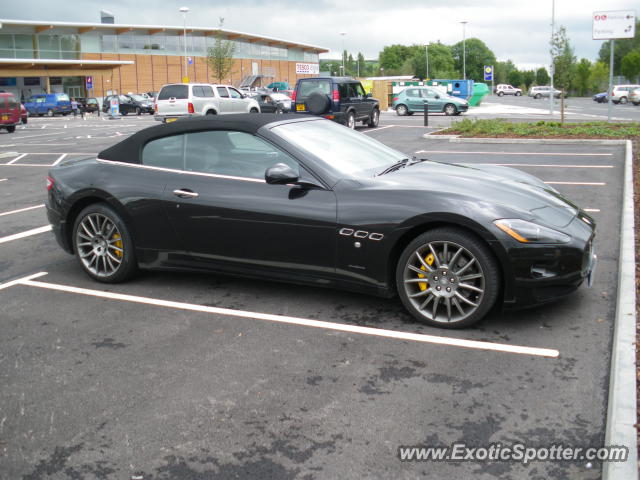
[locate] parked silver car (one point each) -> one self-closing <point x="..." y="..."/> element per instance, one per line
<point x="621" y="93"/>
<point x="188" y="99"/>
<point x="539" y="92"/>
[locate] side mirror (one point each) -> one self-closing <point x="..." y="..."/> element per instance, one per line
<point x="280" y="174"/>
<point x="436" y="96"/>
<point x="367" y="95"/>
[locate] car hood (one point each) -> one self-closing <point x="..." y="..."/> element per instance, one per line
<point x="488" y="184"/>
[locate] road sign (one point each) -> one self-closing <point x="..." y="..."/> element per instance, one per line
<point x="488" y="73"/>
<point x="615" y="24"/>
<point x="89" y="82"/>
<point x="190" y="60"/>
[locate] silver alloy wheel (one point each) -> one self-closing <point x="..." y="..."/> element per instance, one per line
<point x="444" y="281"/>
<point x="623" y="100"/>
<point x="376" y="117"/>
<point x="401" y="110"/>
<point x="351" y="121"/>
<point x="449" y="109"/>
<point x="99" y="244"/>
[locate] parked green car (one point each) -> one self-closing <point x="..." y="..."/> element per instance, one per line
<point x="411" y="100"/>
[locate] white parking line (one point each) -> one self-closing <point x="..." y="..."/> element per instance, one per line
<point x="28" y="233"/>
<point x="594" y="184"/>
<point x="17" y="158"/>
<point x="3" y="179"/>
<point x="59" y="159"/>
<point x="593" y="210"/>
<point x="542" y="165"/>
<point x="376" y="129"/>
<point x="18" y="281"/>
<point x="550" y="154"/>
<point x="379" y="332"/>
<point x="21" y="210"/>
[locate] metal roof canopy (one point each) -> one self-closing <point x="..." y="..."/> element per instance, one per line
<point x="120" y="28"/>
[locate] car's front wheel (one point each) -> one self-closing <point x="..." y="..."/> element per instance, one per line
<point x="402" y="110"/>
<point x="11" y="129"/>
<point x="374" y="119"/>
<point x="138" y="111"/>
<point x="450" y="109"/>
<point x="103" y="244"/>
<point x="49" y="113"/>
<point x="447" y="278"/>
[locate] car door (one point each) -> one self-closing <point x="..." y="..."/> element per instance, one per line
<point x="228" y="216"/>
<point x="414" y="100"/>
<point x="436" y="103"/>
<point x="267" y="105"/>
<point x="237" y="100"/>
<point x="362" y="105"/>
<point x="226" y="104"/>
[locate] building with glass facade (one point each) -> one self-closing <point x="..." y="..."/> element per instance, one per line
<point x="64" y="56"/>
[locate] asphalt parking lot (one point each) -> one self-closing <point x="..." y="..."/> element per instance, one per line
<point x="113" y="381"/>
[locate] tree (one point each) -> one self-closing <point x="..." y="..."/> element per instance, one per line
<point x="631" y="65"/>
<point x="393" y="57"/>
<point x="501" y="71"/>
<point x="477" y="56"/>
<point x="515" y="78"/>
<point x="599" y="76"/>
<point x="220" y="56"/>
<point x="622" y="47"/>
<point x="528" y="77"/>
<point x="350" y="66"/>
<point x="542" y="76"/>
<point x="361" y="65"/>
<point x="563" y="59"/>
<point x="581" y="80"/>
<point x="440" y="61"/>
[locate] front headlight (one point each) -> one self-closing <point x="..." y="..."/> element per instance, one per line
<point x="528" y="232"/>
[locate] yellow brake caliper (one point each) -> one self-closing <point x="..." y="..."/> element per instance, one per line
<point x="116" y="236"/>
<point x="429" y="259"/>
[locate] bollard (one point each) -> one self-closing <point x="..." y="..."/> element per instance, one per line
<point x="426" y="113"/>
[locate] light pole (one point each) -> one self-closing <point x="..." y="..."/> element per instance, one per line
<point x="552" y="66"/>
<point x="464" y="49"/>
<point x="184" y="11"/>
<point x="426" y="51"/>
<point x="342" y="52"/>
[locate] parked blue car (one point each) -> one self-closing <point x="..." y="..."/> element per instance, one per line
<point x="600" y="97"/>
<point x="49" y="104"/>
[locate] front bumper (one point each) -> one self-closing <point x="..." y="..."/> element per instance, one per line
<point x="462" y="108"/>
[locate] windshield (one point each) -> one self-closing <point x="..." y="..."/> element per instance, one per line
<point x="343" y="149"/>
<point x="139" y="98"/>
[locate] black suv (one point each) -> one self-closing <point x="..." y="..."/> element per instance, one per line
<point x="341" y="99"/>
<point x="129" y="104"/>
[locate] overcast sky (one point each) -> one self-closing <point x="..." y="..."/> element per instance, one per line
<point x="518" y="29"/>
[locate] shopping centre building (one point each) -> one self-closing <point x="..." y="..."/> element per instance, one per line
<point x="94" y="59"/>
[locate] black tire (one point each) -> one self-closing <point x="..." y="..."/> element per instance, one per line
<point x="279" y="110"/>
<point x="123" y="113"/>
<point x="374" y="118"/>
<point x="402" y="110"/>
<point x="537" y="96"/>
<point x="254" y="110"/>
<point x="49" y="113"/>
<point x="128" y="264"/>
<point x="485" y="265"/>
<point x="450" y="109"/>
<point x="500" y="94"/>
<point x="350" y="121"/>
<point x="623" y="100"/>
<point x="636" y="103"/>
<point x="24" y="120"/>
<point x="11" y="129"/>
<point x="411" y="113"/>
<point x="318" y="103"/>
<point x="211" y="112"/>
<point x="518" y="94"/>
<point x="138" y="111"/>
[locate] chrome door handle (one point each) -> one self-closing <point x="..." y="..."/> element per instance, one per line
<point x="185" y="193"/>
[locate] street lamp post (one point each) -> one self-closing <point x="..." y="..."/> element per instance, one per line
<point x="184" y="11"/>
<point x="426" y="51"/>
<point x="464" y="50"/>
<point x="552" y="66"/>
<point x="342" y="52"/>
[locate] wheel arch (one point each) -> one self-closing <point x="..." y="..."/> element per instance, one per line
<point x="84" y="200"/>
<point x="422" y="225"/>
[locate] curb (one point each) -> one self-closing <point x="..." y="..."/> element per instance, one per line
<point x="544" y="141"/>
<point x="621" y="411"/>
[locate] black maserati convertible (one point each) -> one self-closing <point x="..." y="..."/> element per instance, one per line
<point x="305" y="200"/>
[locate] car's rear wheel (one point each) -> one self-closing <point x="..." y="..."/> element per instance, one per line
<point x="103" y="244"/>
<point x="49" y="113"/>
<point x="123" y="112"/>
<point x="351" y="121"/>
<point x="623" y="100"/>
<point x="500" y="94"/>
<point x="402" y="110"/>
<point x="537" y="96"/>
<point x="518" y="94"/>
<point x="374" y="119"/>
<point x="447" y="278"/>
<point x="254" y="110"/>
<point x="11" y="129"/>
<point x="450" y="109"/>
<point x="138" y="111"/>
<point x="211" y="112"/>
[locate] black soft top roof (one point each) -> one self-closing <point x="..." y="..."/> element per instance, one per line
<point x="128" y="150"/>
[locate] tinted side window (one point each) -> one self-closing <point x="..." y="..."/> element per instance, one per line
<point x="166" y="152"/>
<point x="358" y="89"/>
<point x="222" y="91"/>
<point x="236" y="154"/>
<point x="234" y="93"/>
<point x="197" y="91"/>
<point x="179" y="92"/>
<point x="207" y="91"/>
<point x="413" y="92"/>
<point x="345" y="91"/>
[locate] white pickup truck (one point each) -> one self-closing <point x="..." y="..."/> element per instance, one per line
<point x="191" y="99"/>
